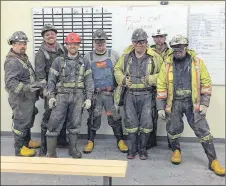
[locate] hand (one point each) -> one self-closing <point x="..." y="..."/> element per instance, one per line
<point x="128" y="82"/>
<point x="87" y="104"/>
<point x="203" y="109"/>
<point x="52" y="102"/>
<point x="32" y="87"/>
<point x="144" y="80"/>
<point x="162" y="114"/>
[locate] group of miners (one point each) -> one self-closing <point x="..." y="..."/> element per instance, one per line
<point x="147" y="81"/>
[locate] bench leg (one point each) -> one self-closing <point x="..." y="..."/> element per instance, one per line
<point x="107" y="180"/>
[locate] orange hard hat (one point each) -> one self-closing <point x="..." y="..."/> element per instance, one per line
<point x="72" y="38"/>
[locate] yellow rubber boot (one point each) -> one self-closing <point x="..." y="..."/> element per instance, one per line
<point x="176" y="157"/>
<point x="24" y="151"/>
<point x="34" y="144"/>
<point x="122" y="146"/>
<point x="88" y="147"/>
<point x="216" y="168"/>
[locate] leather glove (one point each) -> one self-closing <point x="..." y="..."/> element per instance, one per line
<point x="128" y="82"/>
<point x="87" y="104"/>
<point x="162" y="114"/>
<point x="52" y="102"/>
<point x="32" y="87"/>
<point x="203" y="109"/>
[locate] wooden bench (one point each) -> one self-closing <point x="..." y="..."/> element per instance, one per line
<point x="65" y="166"/>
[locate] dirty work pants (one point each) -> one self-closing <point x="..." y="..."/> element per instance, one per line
<point x="106" y="100"/>
<point x="138" y="117"/>
<point x="69" y="107"/>
<point x="197" y="122"/>
<point x="23" y="107"/>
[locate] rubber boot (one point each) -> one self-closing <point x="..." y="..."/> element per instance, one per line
<point x="73" y="151"/>
<point x="51" y="146"/>
<point x="216" y="168"/>
<point x="43" y="147"/>
<point x="143" y="142"/>
<point x="133" y="147"/>
<point x="33" y="144"/>
<point x="151" y="140"/>
<point x="176" y="157"/>
<point x="90" y="144"/>
<point x="62" y="138"/>
<point x="118" y="132"/>
<point x="20" y="142"/>
<point x="214" y="164"/>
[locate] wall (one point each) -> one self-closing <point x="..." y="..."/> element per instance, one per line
<point x="18" y="16"/>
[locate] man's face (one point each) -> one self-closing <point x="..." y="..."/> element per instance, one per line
<point x="20" y="47"/>
<point x="159" y="40"/>
<point x="179" y="51"/>
<point x="140" y="46"/>
<point x="73" y="48"/>
<point x="100" y="45"/>
<point x="50" y="37"/>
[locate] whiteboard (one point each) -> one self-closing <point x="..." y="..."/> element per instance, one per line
<point x="173" y="18"/>
<point x="207" y="38"/>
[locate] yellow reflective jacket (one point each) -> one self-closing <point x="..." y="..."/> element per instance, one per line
<point x="201" y="83"/>
<point x="165" y="53"/>
<point x="120" y="72"/>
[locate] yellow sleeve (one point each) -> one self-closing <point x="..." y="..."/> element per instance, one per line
<point x="118" y="70"/>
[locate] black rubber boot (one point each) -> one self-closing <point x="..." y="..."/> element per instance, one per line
<point x="73" y="151"/>
<point x="19" y="142"/>
<point x="133" y="145"/>
<point x="169" y="145"/>
<point x="43" y="147"/>
<point x="151" y="140"/>
<point x="143" y="143"/>
<point x="51" y="146"/>
<point x="62" y="138"/>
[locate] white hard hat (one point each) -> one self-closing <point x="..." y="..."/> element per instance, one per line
<point x="159" y="32"/>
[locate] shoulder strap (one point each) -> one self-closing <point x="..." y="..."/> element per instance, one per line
<point x="109" y="53"/>
<point x="45" y="54"/>
<point x="91" y="56"/>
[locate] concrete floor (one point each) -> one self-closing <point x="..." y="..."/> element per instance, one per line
<point x="157" y="170"/>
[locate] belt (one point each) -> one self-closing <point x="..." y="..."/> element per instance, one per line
<point x="141" y="89"/>
<point x="70" y="90"/>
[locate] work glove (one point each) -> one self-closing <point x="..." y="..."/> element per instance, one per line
<point x="87" y="104"/>
<point x="128" y="82"/>
<point x="52" y="102"/>
<point x="203" y="109"/>
<point x="32" y="87"/>
<point x="162" y="114"/>
<point x="145" y="80"/>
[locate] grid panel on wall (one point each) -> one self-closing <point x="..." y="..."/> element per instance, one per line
<point x="81" y="20"/>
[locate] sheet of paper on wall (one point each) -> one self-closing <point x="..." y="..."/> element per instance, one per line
<point x="207" y="37"/>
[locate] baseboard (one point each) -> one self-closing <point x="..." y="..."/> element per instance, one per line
<point x="109" y="136"/>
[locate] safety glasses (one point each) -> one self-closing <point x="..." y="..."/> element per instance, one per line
<point x="100" y="41"/>
<point x="140" y="42"/>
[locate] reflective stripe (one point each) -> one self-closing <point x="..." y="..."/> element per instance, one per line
<point x="161" y="95"/>
<point x="206" y="138"/>
<point x="88" y="72"/>
<point x="31" y="72"/>
<point x="133" y="130"/>
<point x="145" y="130"/>
<point x="19" y="87"/>
<point x="72" y="85"/>
<point x="167" y="74"/>
<point x="183" y="92"/>
<point x="80" y="85"/>
<point x="206" y="90"/>
<point x="138" y="86"/>
<point x="19" y="133"/>
<point x="174" y="136"/>
<point x="54" y="71"/>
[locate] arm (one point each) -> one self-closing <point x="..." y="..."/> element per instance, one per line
<point x="152" y="79"/>
<point x="88" y="80"/>
<point x="118" y="70"/>
<point x="40" y="65"/>
<point x="12" y="76"/>
<point x="161" y="89"/>
<point x="53" y="77"/>
<point x="205" y="87"/>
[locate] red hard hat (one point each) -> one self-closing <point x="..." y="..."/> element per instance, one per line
<point x="72" y="38"/>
